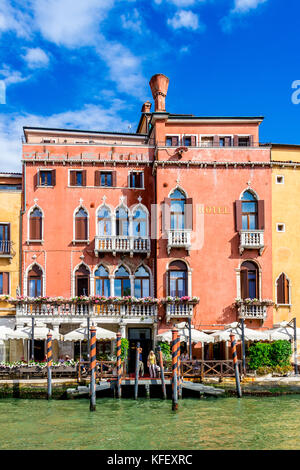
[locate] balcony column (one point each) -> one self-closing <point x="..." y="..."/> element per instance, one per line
<point x="113" y="233"/>
<point x="122" y="329"/>
<point x="112" y="285"/>
<point x="154" y="334"/>
<point x="238" y="283"/>
<point x="131" y="277"/>
<point x="130" y="233"/>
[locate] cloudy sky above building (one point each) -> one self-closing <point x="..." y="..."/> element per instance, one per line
<point x="87" y="63"/>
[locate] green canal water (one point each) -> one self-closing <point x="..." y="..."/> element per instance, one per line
<point x="223" y="423"/>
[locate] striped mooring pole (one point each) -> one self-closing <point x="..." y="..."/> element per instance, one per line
<point x="119" y="365"/>
<point x="93" y="369"/>
<point x="49" y="365"/>
<point x="236" y="368"/>
<point x="162" y="372"/>
<point x="137" y="360"/>
<point x="175" y="341"/>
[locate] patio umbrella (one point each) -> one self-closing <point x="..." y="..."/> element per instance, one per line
<point x="235" y="328"/>
<point x="40" y="332"/>
<point x="82" y="333"/>
<point x="283" y="331"/>
<point x="197" y="336"/>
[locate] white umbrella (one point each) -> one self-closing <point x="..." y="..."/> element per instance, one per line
<point x="82" y="333"/>
<point x="40" y="333"/>
<point x="235" y="328"/>
<point x="4" y="332"/>
<point x="197" y="336"/>
<point x="283" y="332"/>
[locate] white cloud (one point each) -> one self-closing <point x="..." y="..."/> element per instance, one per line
<point x="133" y="22"/>
<point x="90" y="117"/>
<point x="243" y="6"/>
<point x="185" y="19"/>
<point x="36" y="58"/>
<point x="71" y="23"/>
<point x="10" y="77"/>
<point x="15" y="19"/>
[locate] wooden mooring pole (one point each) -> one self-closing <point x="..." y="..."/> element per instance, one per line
<point x="236" y="368"/>
<point x="49" y="365"/>
<point x="162" y="372"/>
<point x="136" y="383"/>
<point x="175" y="341"/>
<point x="93" y="369"/>
<point x="119" y="365"/>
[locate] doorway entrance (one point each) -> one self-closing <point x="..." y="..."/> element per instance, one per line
<point x="82" y="286"/>
<point x="144" y="337"/>
<point x="38" y="350"/>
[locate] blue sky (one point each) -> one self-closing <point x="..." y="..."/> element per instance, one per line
<point x="87" y="64"/>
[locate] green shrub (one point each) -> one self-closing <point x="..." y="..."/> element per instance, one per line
<point x="124" y="348"/>
<point x="264" y="355"/>
<point x="259" y="355"/>
<point x="166" y="350"/>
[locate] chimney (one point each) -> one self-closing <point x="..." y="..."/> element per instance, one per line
<point x="146" y="107"/>
<point x="159" y="87"/>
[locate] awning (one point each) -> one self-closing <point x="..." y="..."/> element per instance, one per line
<point x="81" y="334"/>
<point x="196" y="335"/>
<point x="236" y="329"/>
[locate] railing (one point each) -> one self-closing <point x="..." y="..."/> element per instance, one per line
<point x="116" y="243"/>
<point x="82" y="310"/>
<point x="251" y="239"/>
<point x="5" y="247"/>
<point x="211" y="144"/>
<point x="179" y="310"/>
<point x="179" y="239"/>
<point x="254" y="312"/>
<point x="202" y="368"/>
<point x="104" y="369"/>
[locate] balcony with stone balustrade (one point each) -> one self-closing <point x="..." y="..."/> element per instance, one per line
<point x="252" y="240"/>
<point x="122" y="244"/>
<point x="179" y="239"/>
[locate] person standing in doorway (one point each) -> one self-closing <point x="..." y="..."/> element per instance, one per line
<point x="141" y="364"/>
<point x="151" y="363"/>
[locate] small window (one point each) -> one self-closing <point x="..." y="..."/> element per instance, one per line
<point x="172" y="141"/>
<point x="4" y="238"/>
<point x="187" y="141"/>
<point x="136" y="179"/>
<point x="4" y="283"/>
<point x="244" y="141"/>
<point x="46" y="178"/>
<point x="280" y="227"/>
<point x="279" y="179"/>
<point x="168" y="141"/>
<point x="283" y="290"/>
<point x="225" y="141"/>
<point x="207" y="141"/>
<point x="106" y="179"/>
<point x="10" y="187"/>
<point x="77" y="178"/>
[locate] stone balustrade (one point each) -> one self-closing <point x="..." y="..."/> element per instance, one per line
<point x="179" y="239"/>
<point x="115" y="244"/>
<point x="251" y="240"/>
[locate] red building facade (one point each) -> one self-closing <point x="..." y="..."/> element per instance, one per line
<point x="179" y="211"/>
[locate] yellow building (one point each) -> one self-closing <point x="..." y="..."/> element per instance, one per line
<point x="286" y="232"/>
<point x="10" y="207"/>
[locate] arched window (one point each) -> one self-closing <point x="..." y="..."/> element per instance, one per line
<point x="177" y="210"/>
<point x="122" y="222"/>
<point x="104" y="221"/>
<point x="177" y="279"/>
<point x="81" y="224"/>
<point x="142" y="283"/>
<point x="249" y="211"/>
<point x="122" y="282"/>
<point x="35" y="282"/>
<point x="249" y="281"/>
<point x="102" y="285"/>
<point x="82" y="281"/>
<point x="283" y="290"/>
<point x="35" y="224"/>
<point x="140" y="223"/>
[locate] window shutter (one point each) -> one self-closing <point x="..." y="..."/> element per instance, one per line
<point x="286" y="290"/>
<point x="216" y="141"/>
<point x="114" y="178"/>
<point x="244" y="284"/>
<point x="227" y="141"/>
<point x="238" y="215"/>
<point x="236" y="140"/>
<point x="53" y="177"/>
<point x="97" y="178"/>
<point x="261" y="215"/>
<point x="83" y="177"/>
<point x="280" y="289"/>
<point x="130" y="180"/>
<point x="251" y="140"/>
<point x="6" y="283"/>
<point x="32" y="229"/>
<point x="188" y="214"/>
<point x="81" y="228"/>
<point x="72" y="178"/>
<point x="166" y="214"/>
<point x="174" y="141"/>
<point x="193" y="141"/>
<point x="36" y="179"/>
